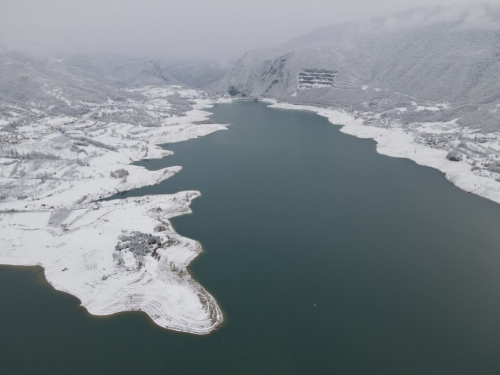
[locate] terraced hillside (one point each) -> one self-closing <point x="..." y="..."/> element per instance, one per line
<point x="316" y="78"/>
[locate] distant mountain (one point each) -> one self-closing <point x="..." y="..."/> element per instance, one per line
<point x="197" y="74"/>
<point x="28" y="81"/>
<point x="438" y="54"/>
<point x="119" y="71"/>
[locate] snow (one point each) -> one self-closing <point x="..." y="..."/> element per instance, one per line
<point x="429" y="108"/>
<point x="51" y="218"/>
<point x="395" y="142"/>
<point x="78" y="259"/>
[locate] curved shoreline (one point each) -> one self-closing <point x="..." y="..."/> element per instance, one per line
<point x="76" y="239"/>
<point x="394" y="142"/>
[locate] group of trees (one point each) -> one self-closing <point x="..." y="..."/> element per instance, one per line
<point x="119" y="173"/>
<point x="138" y="243"/>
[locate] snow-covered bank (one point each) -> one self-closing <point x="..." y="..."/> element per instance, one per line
<point x="396" y="142"/>
<point x="80" y="258"/>
<point x="115" y="256"/>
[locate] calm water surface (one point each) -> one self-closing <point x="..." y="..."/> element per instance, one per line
<point x="326" y="258"/>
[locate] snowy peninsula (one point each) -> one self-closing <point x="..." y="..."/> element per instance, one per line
<point x="118" y="255"/>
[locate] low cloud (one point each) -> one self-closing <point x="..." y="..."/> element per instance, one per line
<point x="482" y="16"/>
<point x="204" y="29"/>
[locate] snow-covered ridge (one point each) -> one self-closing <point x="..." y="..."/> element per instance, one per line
<point x="120" y="255"/>
<point x="409" y="60"/>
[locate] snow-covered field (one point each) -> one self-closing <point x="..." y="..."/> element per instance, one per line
<point x="428" y="144"/>
<point x="120" y="255"/>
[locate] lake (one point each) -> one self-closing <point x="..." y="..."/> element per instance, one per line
<point x="325" y="257"/>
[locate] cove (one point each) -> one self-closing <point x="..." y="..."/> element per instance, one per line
<point x="325" y="257"/>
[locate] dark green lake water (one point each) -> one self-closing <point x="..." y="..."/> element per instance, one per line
<point x="326" y="258"/>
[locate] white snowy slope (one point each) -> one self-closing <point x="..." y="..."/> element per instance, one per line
<point x="120" y="255"/>
<point x="431" y="74"/>
<point x="438" y="54"/>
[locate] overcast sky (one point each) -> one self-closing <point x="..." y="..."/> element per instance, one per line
<point x="179" y="29"/>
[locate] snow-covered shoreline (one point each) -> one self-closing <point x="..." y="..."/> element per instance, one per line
<point x="124" y="255"/>
<point x="395" y="142"/>
<point x="119" y="255"/>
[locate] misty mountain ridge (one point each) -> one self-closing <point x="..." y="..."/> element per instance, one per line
<point x="204" y="74"/>
<point x="438" y="54"/>
<point x="35" y="81"/>
<point x="119" y="71"/>
<point x="446" y="55"/>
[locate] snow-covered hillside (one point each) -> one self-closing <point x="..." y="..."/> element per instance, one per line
<point x="68" y="133"/>
<point x="420" y="71"/>
<point x="428" y="55"/>
<point x="203" y="74"/>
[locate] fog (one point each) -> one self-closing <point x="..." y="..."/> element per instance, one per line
<point x="191" y="29"/>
